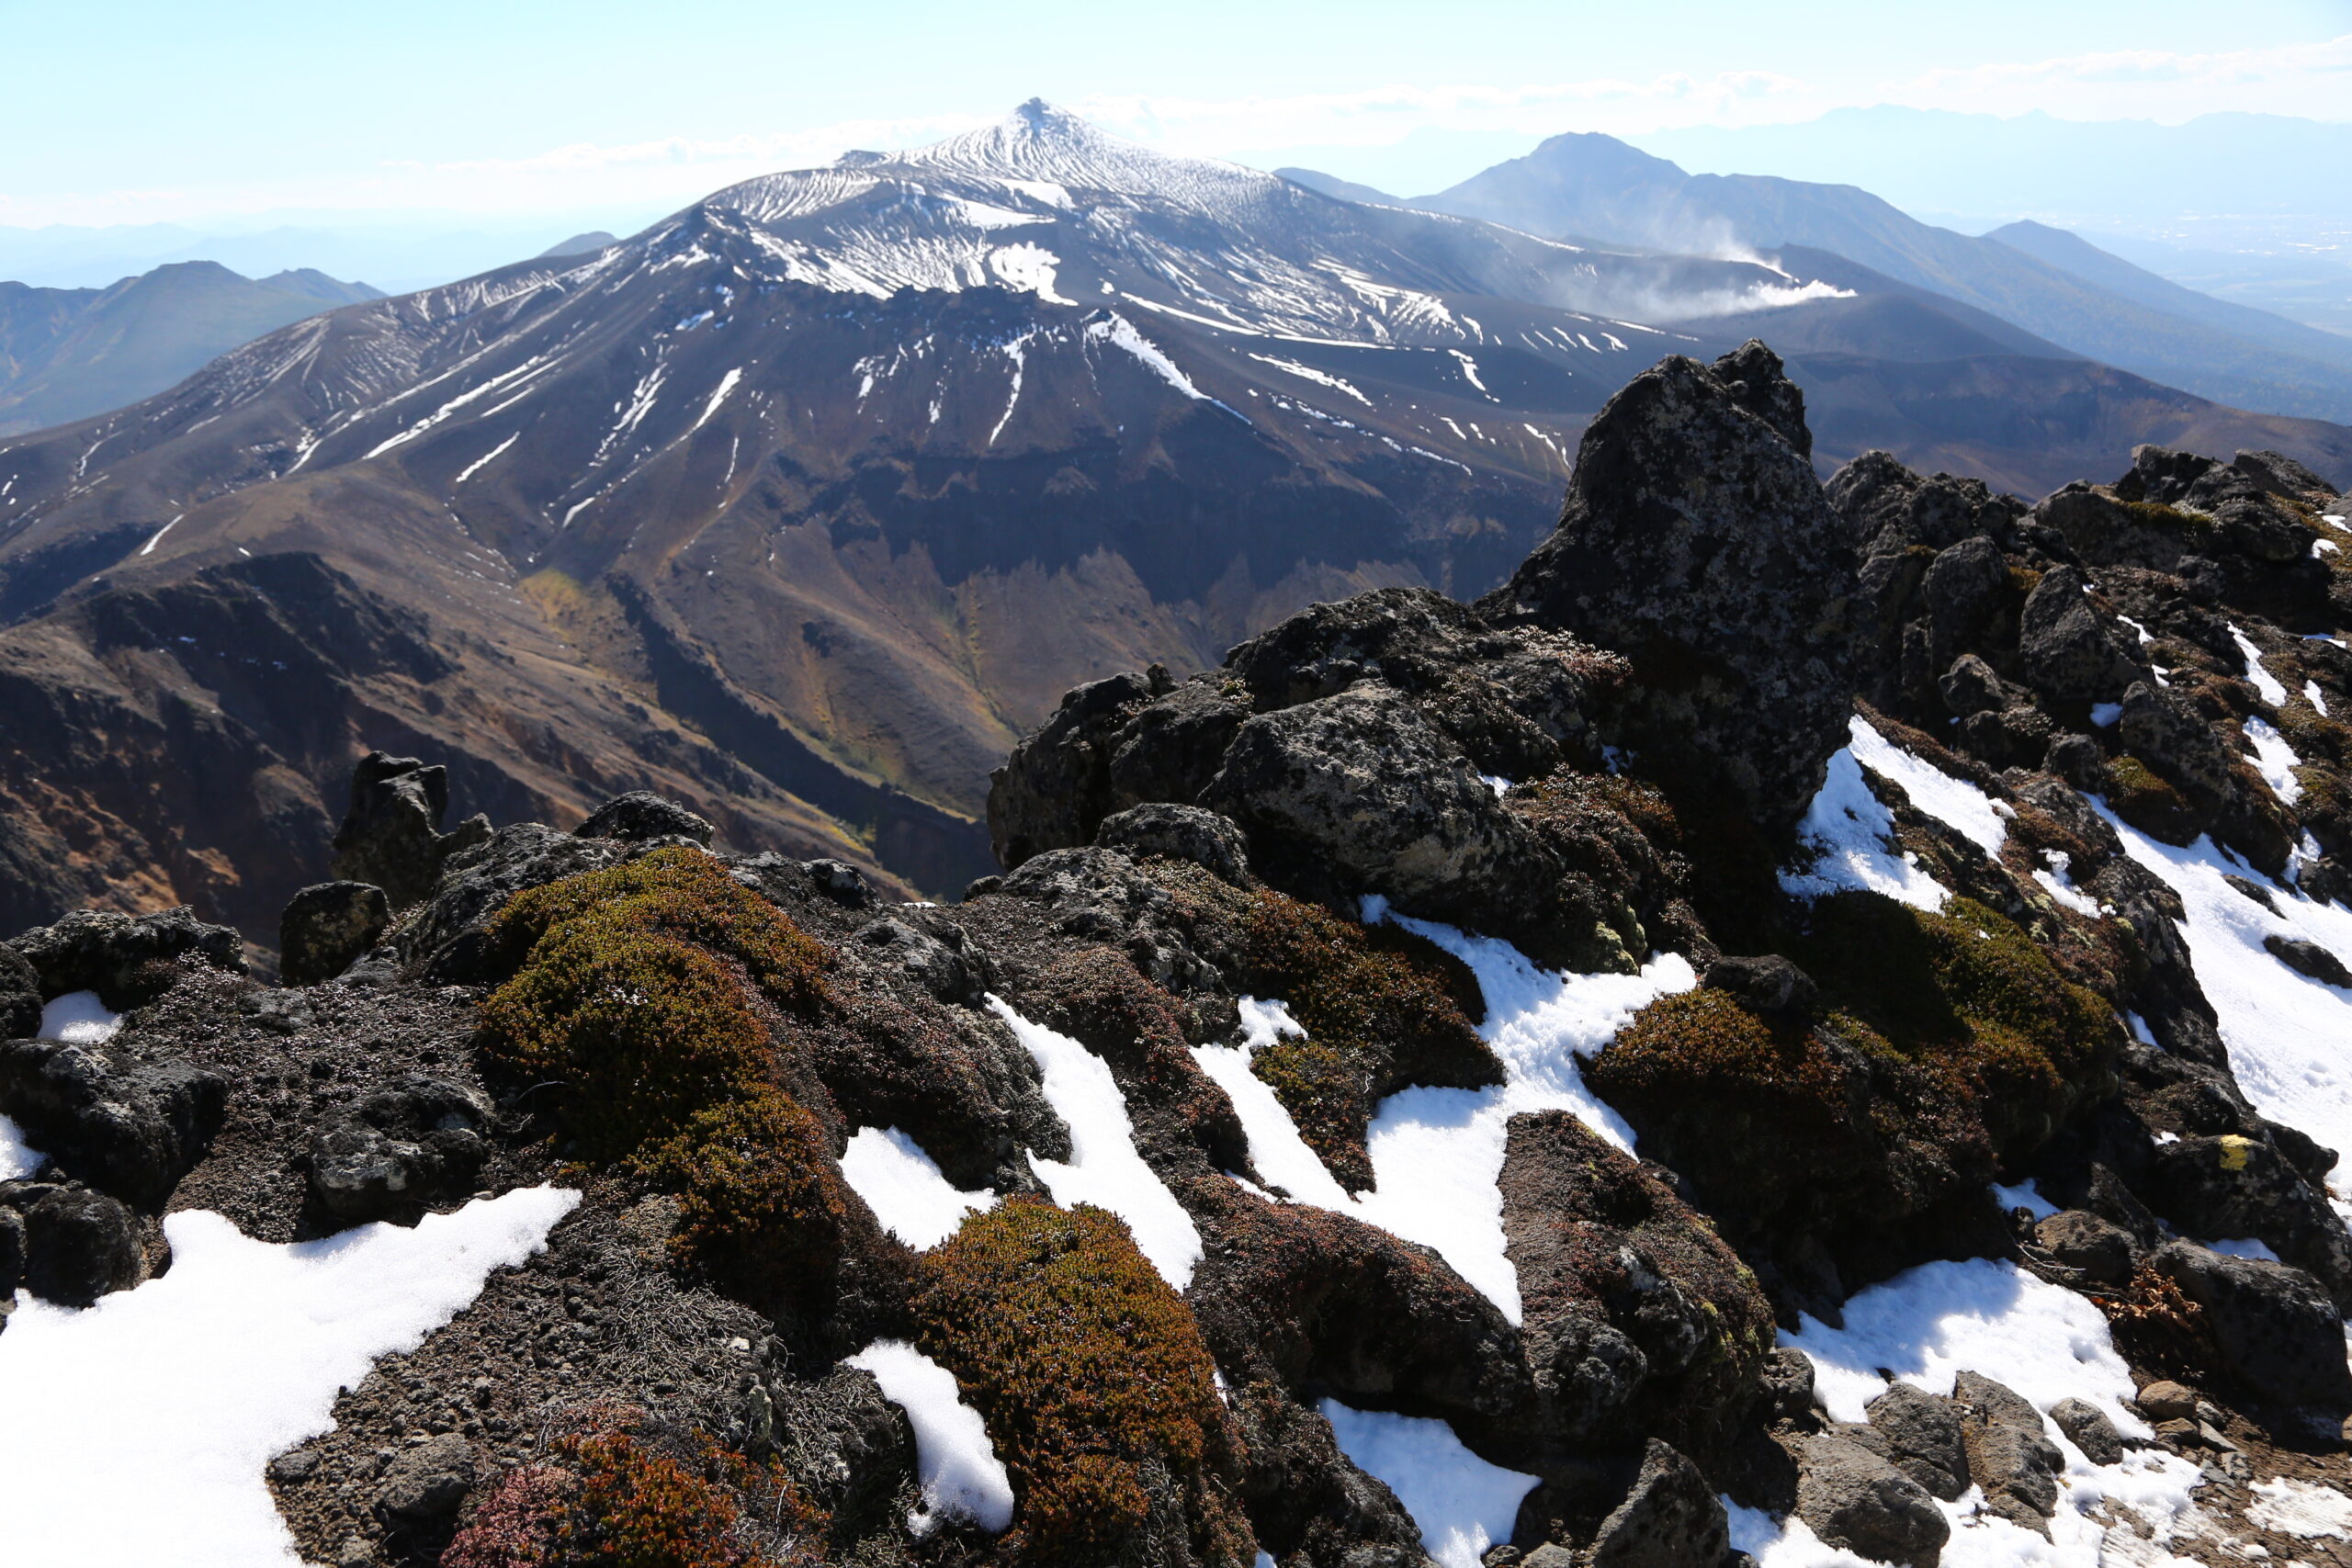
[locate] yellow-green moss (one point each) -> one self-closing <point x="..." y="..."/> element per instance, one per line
<point x="2147" y="801"/>
<point x="1091" y="1375"/>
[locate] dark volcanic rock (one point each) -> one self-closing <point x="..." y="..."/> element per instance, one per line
<point x="77" y="1245"/>
<point x="20" y="999"/>
<point x="2305" y="956"/>
<point x="128" y="1126"/>
<point x="2088" y="1428"/>
<point x="640" y="815"/>
<point x="2277" y="1330"/>
<point x="1638" y="1320"/>
<point x="1767" y="984"/>
<point x="1851" y="1497"/>
<point x="422" y="1487"/>
<point x="407" y="1144"/>
<point x="1181" y="832"/>
<point x="1919" y="1433"/>
<point x="2062" y="650"/>
<point x="128" y="961"/>
<point x="326" y="927"/>
<point x="392" y="835"/>
<point x="1669" y="1520"/>
<point x="2009" y="1451"/>
<point x="1697" y="542"/>
<point x="2080" y="1239"/>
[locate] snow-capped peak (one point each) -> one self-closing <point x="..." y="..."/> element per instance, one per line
<point x="1042" y="142"/>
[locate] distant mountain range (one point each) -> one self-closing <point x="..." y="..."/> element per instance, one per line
<point x="2061" y="288"/>
<point x="804" y="504"/>
<point x="66" y="354"/>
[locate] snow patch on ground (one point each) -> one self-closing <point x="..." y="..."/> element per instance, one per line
<point x="1984" y="1314"/>
<point x="2298" y="1509"/>
<point x="962" y="1478"/>
<point x="17" y="1158"/>
<point x="2045" y="1342"/>
<point x="1029" y="266"/>
<point x="1852" y="836"/>
<point x="1104" y="1169"/>
<point x="192" y="1382"/>
<point x="2274" y="758"/>
<point x="1956" y="803"/>
<point x="1437" y="1153"/>
<point x="2285" y="1031"/>
<point x="906" y="1189"/>
<point x="2264" y="680"/>
<point x="1462" y="1504"/>
<point x="1121" y="333"/>
<point x="78" y="1018"/>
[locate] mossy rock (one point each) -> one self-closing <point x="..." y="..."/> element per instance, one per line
<point x="764" y="1203"/>
<point x="2148" y="803"/>
<point x="1092" y="1377"/>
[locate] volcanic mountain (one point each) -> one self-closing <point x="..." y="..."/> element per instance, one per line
<point x="803" y="504"/>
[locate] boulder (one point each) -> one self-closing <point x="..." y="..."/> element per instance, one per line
<point x="640" y="815"/>
<point x="129" y="961"/>
<point x="407" y="1144"/>
<point x="2080" y="1239"/>
<point x="1638" y="1321"/>
<point x="77" y="1245"/>
<point x="391" y="834"/>
<point x="1787" y="1376"/>
<point x="1056" y="786"/>
<point x="1697" y="542"/>
<point x="20" y="999"/>
<point x="2062" y="650"/>
<point x="126" y="1125"/>
<point x="326" y="927"/>
<point x="2275" y="1327"/>
<point x="1670" y="1518"/>
<point x="447" y="934"/>
<point x="2305" y="956"/>
<point x="1768" y="984"/>
<point x="2233" y="1184"/>
<point x="1851" y="1497"/>
<point x="1207" y="838"/>
<point x="2165" y="1400"/>
<point x="423" y="1486"/>
<point x="1919" y="1433"/>
<point x="2089" y="1430"/>
<point x="2009" y="1451"/>
<point x="2277" y="473"/>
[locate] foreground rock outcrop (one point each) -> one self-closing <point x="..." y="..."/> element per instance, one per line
<point x="1498" y="1036"/>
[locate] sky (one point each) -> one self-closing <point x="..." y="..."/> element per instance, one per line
<point x="132" y="111"/>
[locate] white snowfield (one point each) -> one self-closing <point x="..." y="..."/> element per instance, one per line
<point x="1462" y="1504"/>
<point x="192" y="1382"/>
<point x="1437" y="1152"/>
<point x="954" y="1461"/>
<point x="905" y="1187"/>
<point x="1104" y="1169"/>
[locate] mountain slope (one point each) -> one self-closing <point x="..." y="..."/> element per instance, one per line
<point x="66" y="354"/>
<point x="838" y="479"/>
<point x="1597" y="187"/>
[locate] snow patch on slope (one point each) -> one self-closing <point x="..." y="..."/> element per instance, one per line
<point x="961" y="1476"/>
<point x="233" y="1357"/>
<point x="1462" y="1504"/>
<point x="1104" y="1169"/>
<point x="906" y="1189"/>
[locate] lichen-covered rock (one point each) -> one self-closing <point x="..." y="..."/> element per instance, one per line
<point x="2276" y="1328"/>
<point x="326" y="927"/>
<point x="640" y="815"/>
<point x="1697" y="542"/>
<point x="1919" y="1434"/>
<point x="128" y="959"/>
<point x="392" y="835"/>
<point x="128" y="1126"/>
<point x="1209" y="840"/>
<point x="413" y="1141"/>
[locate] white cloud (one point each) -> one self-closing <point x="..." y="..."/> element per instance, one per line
<point x="2306" y="79"/>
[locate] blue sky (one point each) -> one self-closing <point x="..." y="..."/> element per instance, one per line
<point x="128" y="111"/>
